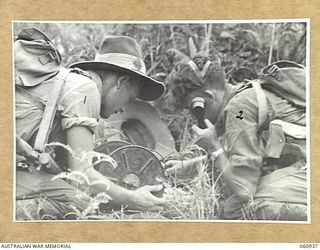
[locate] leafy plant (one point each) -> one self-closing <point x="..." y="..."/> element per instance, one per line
<point x="243" y="48"/>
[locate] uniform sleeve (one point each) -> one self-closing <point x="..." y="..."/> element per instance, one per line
<point x="81" y="107"/>
<point x="242" y="172"/>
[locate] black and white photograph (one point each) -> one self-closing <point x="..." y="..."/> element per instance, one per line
<point x="197" y="121"/>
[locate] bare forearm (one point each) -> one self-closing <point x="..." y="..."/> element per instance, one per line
<point x="118" y="194"/>
<point x="221" y="160"/>
<point x="80" y="139"/>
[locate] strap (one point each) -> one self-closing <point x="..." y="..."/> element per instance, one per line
<point x="49" y="111"/>
<point x="49" y="57"/>
<point x="262" y="102"/>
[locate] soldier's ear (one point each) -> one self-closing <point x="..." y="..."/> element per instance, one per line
<point x="209" y="94"/>
<point x="122" y="81"/>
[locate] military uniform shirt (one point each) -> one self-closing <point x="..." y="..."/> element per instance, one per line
<point x="239" y="124"/>
<point x="78" y="105"/>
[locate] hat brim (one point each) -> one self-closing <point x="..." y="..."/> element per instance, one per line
<point x="151" y="89"/>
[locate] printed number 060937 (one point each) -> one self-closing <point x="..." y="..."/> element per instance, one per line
<point x="308" y="245"/>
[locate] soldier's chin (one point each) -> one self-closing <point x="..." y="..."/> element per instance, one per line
<point x="106" y="113"/>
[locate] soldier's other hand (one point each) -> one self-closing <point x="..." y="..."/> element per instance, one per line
<point x="177" y="166"/>
<point x="143" y="199"/>
<point x="206" y="137"/>
<point x="209" y="131"/>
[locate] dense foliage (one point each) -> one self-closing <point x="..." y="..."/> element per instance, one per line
<point x="243" y="48"/>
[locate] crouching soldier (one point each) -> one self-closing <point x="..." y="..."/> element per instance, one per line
<point x="261" y="131"/>
<point x="88" y="91"/>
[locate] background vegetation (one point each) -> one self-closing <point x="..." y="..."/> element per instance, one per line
<point x="244" y="48"/>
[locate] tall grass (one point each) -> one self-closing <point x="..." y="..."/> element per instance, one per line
<point x="193" y="199"/>
<point x="193" y="195"/>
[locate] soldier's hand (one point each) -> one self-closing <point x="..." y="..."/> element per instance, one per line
<point x="206" y="137"/>
<point x="143" y="199"/>
<point x="178" y="166"/>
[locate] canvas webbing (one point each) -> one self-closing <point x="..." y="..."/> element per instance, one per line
<point x="49" y="111"/>
<point x="262" y="102"/>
